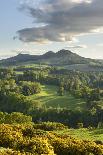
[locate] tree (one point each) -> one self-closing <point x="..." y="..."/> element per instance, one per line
<point x="61" y="91"/>
<point x="30" y="88"/>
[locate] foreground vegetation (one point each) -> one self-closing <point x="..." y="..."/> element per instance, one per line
<point x="51" y="111"/>
<point x="43" y="138"/>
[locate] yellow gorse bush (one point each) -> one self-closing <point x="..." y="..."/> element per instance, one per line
<point x="26" y="140"/>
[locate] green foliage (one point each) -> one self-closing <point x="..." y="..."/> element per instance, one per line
<point x="14" y="118"/>
<point x="81" y="100"/>
<point x="7" y="86"/>
<point x="6" y="73"/>
<point x="61" y="91"/>
<point x="30" y="88"/>
<point x="18" y="103"/>
<point x="50" y="126"/>
<point x="79" y="125"/>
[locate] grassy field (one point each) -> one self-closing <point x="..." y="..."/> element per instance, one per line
<point x="50" y="98"/>
<point x="86" y="134"/>
<point x="84" y="68"/>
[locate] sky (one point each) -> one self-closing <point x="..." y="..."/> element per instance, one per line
<point x="38" y="26"/>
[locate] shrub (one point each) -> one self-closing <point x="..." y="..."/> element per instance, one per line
<point x="79" y="125"/>
<point x="25" y="140"/>
<point x="50" y="126"/>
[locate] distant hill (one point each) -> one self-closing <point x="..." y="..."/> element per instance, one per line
<point x="62" y="57"/>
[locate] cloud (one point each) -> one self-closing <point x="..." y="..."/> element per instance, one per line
<point x="100" y="45"/>
<point x="4" y="55"/>
<point x="61" y="20"/>
<point x="76" y="46"/>
<point x="21" y="52"/>
<point x="24" y="51"/>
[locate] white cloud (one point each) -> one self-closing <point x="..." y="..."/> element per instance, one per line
<point x="76" y="46"/>
<point x="100" y="44"/>
<point x="79" y="1"/>
<point x="4" y="53"/>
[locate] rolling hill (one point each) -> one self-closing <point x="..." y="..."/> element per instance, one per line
<point x="62" y="57"/>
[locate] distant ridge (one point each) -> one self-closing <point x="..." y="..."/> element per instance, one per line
<point x="62" y="57"/>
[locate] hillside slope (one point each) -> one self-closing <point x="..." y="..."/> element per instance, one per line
<point x="62" y="57"/>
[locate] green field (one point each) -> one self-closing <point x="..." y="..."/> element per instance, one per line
<point x="50" y="98"/>
<point x="85" y="134"/>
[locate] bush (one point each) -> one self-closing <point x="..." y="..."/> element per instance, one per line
<point x="50" y="126"/>
<point x="25" y="140"/>
<point x="30" y="88"/>
<point x="18" y="103"/>
<point x="79" y="125"/>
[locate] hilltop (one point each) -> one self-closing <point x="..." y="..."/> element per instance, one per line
<point x="62" y="57"/>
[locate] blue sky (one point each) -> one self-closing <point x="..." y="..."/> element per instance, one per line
<point x="49" y="26"/>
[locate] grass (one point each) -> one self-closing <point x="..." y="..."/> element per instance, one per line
<point x="18" y="72"/>
<point x="85" y="134"/>
<point x="50" y="98"/>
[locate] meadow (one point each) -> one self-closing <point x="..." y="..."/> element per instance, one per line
<point x="83" y="133"/>
<point x="50" y="98"/>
